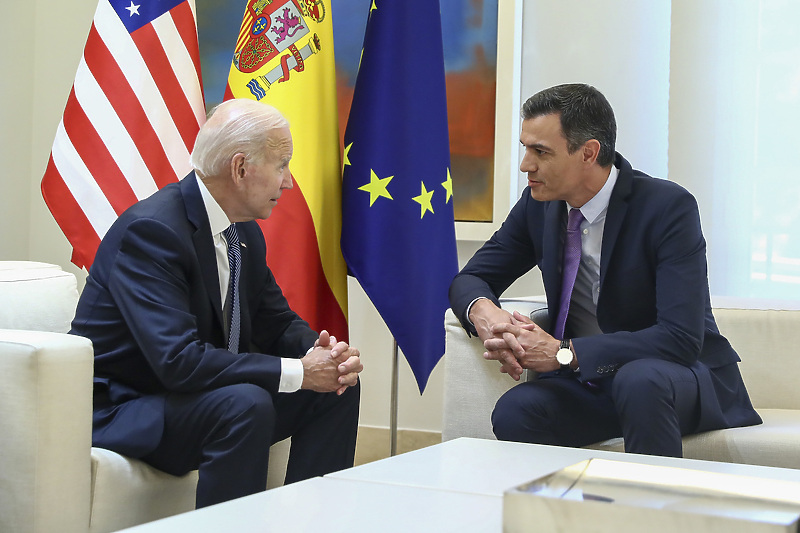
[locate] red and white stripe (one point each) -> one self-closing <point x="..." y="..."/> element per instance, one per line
<point x="129" y="124"/>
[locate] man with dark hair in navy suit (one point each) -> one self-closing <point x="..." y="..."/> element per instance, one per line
<point x="199" y="361"/>
<point x="633" y="349"/>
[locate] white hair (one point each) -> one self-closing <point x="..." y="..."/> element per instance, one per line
<point x="234" y="126"/>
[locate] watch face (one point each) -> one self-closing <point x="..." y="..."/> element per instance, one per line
<point x="564" y="356"/>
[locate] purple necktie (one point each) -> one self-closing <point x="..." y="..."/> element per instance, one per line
<point x="570" y="263"/>
<point x="235" y="260"/>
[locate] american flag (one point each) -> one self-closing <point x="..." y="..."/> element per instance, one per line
<point x="131" y="118"/>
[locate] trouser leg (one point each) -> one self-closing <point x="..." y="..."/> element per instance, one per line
<point x="323" y="428"/>
<point x="657" y="402"/>
<point x="224" y="433"/>
<point x="556" y="410"/>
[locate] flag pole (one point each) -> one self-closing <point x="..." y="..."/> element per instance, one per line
<point x="393" y="407"/>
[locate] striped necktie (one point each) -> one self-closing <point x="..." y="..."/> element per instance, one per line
<point x="235" y="262"/>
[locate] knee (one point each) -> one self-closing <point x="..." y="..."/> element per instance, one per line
<point x="247" y="402"/>
<point x="641" y="381"/>
<point x="514" y="413"/>
<point x="504" y="422"/>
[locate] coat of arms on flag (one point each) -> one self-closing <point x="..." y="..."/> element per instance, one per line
<point x="275" y="39"/>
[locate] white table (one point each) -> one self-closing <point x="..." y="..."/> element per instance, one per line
<point x="489" y="467"/>
<point x="454" y="486"/>
<point x="339" y="505"/>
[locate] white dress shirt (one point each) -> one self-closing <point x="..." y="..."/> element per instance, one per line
<point x="291" y="369"/>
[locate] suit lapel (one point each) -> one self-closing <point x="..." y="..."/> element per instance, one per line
<point x="203" y="243"/>
<point x="617" y="209"/>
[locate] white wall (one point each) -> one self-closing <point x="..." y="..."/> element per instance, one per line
<point x="40" y="46"/>
<point x="734" y="109"/>
<point x="16" y="60"/>
<point x="622" y="48"/>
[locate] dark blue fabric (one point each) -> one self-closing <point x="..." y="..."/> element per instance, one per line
<point x="134" y="15"/>
<point x="402" y="252"/>
<point x="649" y="402"/>
<point x="226" y="434"/>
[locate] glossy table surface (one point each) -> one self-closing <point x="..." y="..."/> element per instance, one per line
<point x="490" y="467"/>
<point x="454" y="486"/>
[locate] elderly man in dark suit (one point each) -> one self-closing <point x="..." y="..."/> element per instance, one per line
<point x="633" y="350"/>
<point x="199" y="361"/>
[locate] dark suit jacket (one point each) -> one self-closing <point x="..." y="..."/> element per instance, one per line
<point x="152" y="309"/>
<point x="653" y="300"/>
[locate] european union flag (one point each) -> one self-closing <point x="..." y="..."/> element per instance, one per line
<point x="398" y="235"/>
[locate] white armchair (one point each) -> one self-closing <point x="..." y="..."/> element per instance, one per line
<point x="51" y="479"/>
<point x="766" y="341"/>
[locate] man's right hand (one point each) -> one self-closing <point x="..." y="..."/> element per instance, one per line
<point x="483" y="315"/>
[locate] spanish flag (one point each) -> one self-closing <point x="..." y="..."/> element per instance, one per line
<point x="284" y="57"/>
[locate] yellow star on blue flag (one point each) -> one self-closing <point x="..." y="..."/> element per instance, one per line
<point x="424" y="201"/>
<point x="377" y="187"/>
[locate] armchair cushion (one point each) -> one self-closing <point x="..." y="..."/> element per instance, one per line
<point x="127" y="492"/>
<point x="36" y="296"/>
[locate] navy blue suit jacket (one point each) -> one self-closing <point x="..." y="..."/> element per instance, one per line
<point x="653" y="300"/>
<point x="152" y="309"/>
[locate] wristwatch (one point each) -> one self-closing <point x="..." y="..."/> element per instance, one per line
<point x="564" y="355"/>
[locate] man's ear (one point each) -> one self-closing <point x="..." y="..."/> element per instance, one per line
<point x="238" y="171"/>
<point x="591" y="150"/>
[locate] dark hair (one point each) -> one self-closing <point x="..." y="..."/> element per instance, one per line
<point x="585" y="114"/>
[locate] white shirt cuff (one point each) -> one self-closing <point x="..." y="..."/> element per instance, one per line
<point x="469" y="307"/>
<point x="291" y="375"/>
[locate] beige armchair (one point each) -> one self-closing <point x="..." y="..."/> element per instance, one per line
<point x="766" y="341"/>
<point x="51" y="479"/>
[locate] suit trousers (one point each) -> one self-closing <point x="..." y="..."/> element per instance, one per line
<point x="226" y="433"/>
<point x="648" y="402"/>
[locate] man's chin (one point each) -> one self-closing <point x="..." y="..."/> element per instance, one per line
<point x="538" y="195"/>
<point x="264" y="215"/>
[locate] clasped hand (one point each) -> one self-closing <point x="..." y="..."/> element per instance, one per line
<point x="331" y="365"/>
<point x="516" y="342"/>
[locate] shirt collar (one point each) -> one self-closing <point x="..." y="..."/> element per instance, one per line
<point x="598" y="205"/>
<point x="216" y="216"/>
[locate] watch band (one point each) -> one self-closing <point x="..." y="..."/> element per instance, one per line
<point x="564" y="355"/>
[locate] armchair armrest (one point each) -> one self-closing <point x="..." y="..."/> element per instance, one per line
<point x="472" y="385"/>
<point x="45" y="431"/>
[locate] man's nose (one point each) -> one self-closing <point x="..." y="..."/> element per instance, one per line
<point x="527" y="165"/>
